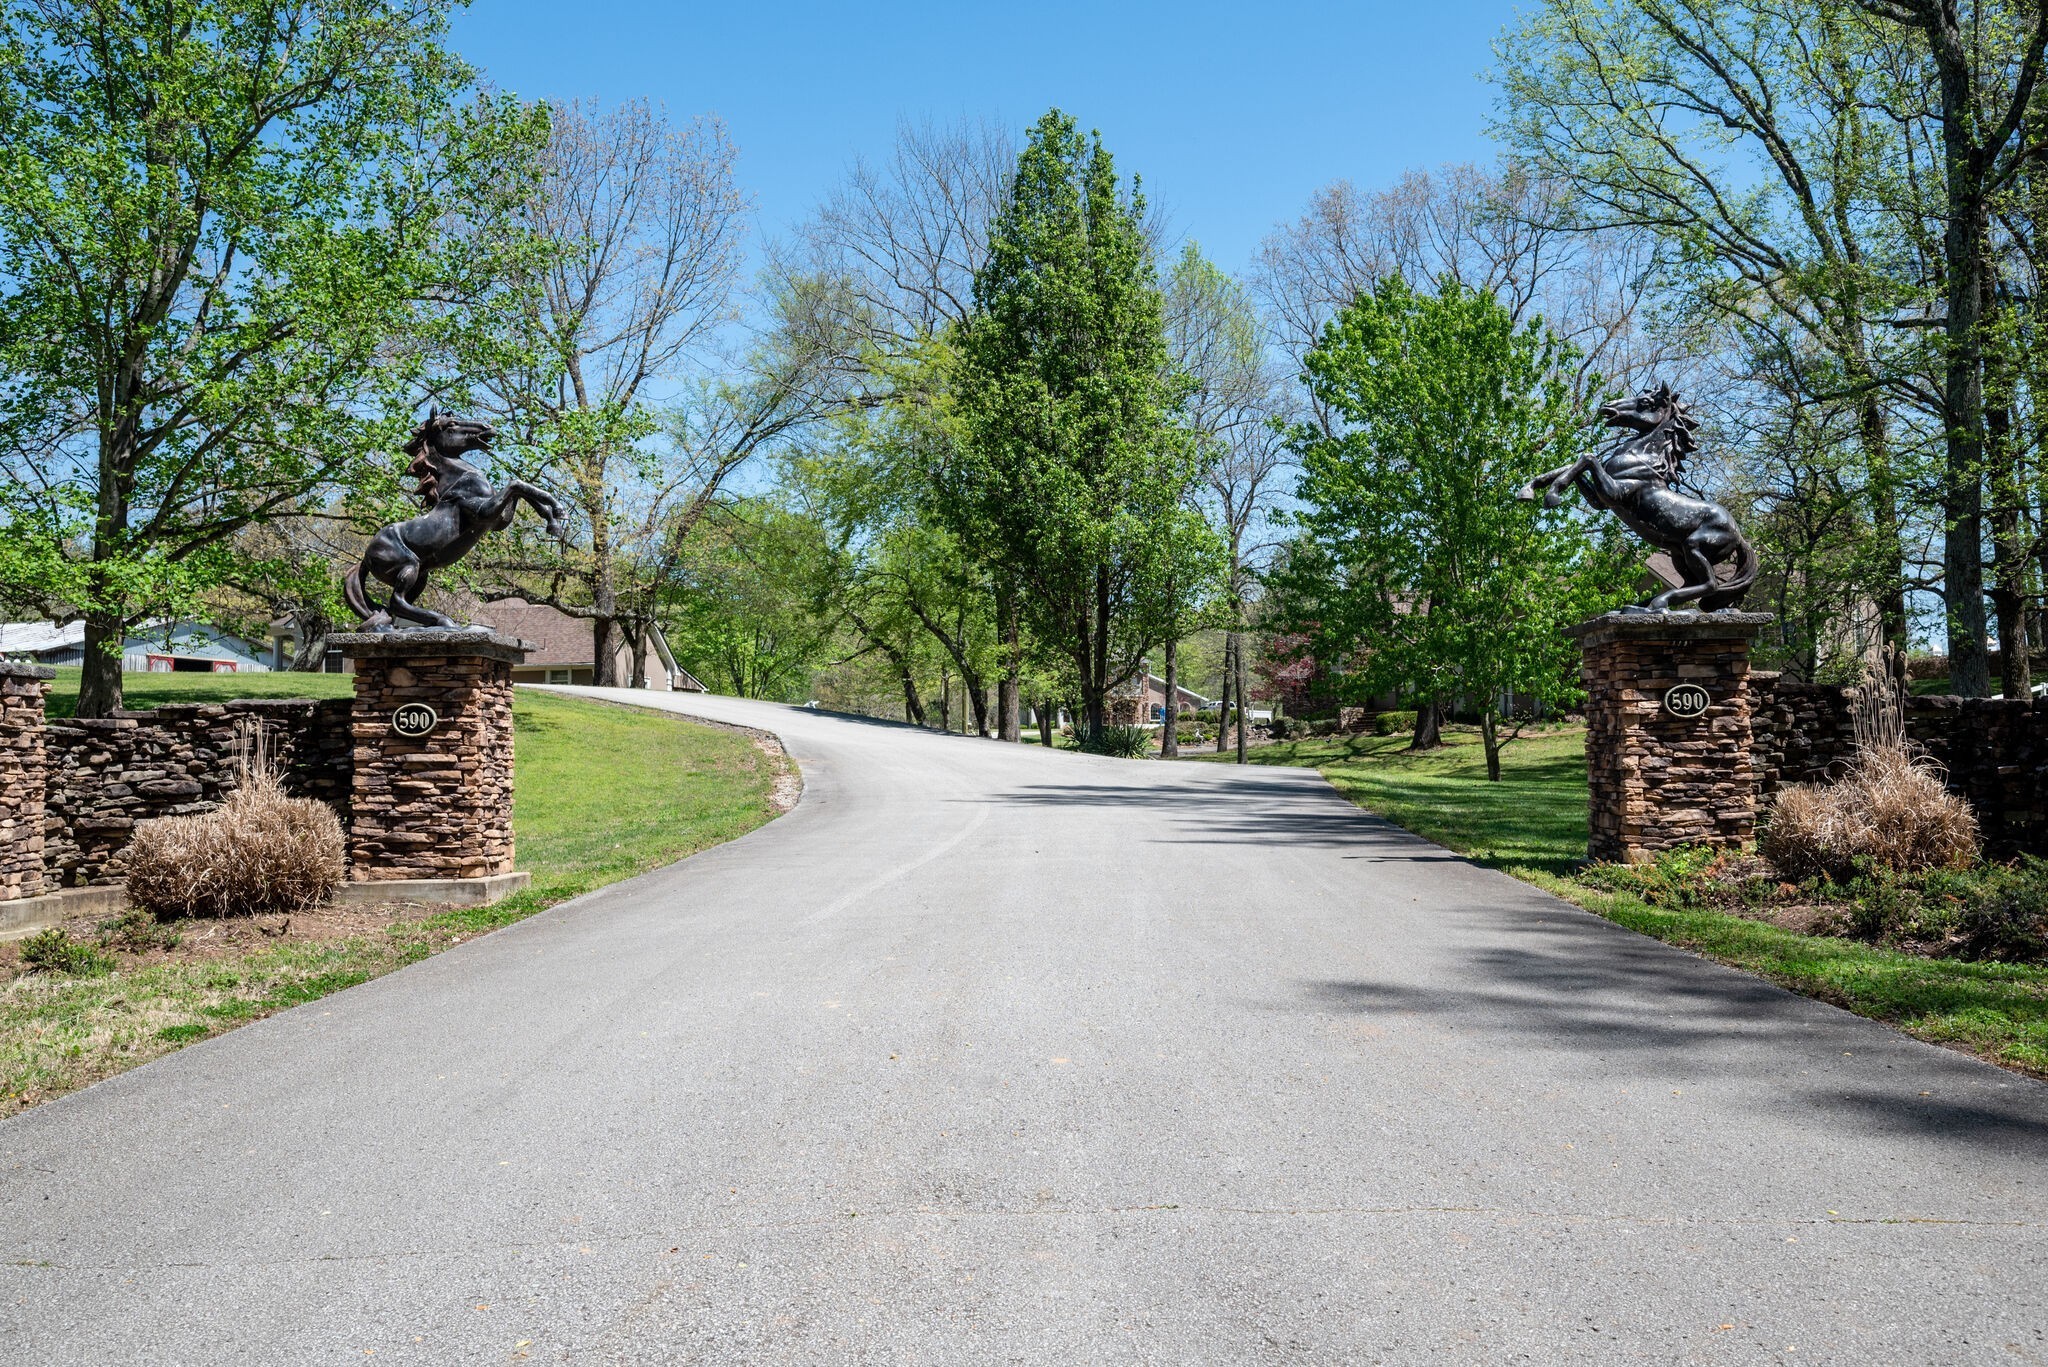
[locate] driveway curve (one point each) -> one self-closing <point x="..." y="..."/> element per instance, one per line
<point x="986" y="1054"/>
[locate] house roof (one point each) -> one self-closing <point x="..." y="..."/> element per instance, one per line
<point x="186" y="637"/>
<point x="558" y="639"/>
<point x="30" y="637"/>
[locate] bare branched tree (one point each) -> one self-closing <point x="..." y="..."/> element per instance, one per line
<point x="1503" y="232"/>
<point x="646" y="224"/>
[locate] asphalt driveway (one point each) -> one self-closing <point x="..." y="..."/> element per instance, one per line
<point x="985" y="1054"/>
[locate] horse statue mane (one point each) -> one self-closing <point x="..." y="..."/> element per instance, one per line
<point x="1672" y="437"/>
<point x="1633" y="479"/>
<point x="460" y="507"/>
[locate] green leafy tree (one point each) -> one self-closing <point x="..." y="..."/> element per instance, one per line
<point x="231" y="241"/>
<point x="742" y="613"/>
<point x="1418" y="570"/>
<point x="1070" y="469"/>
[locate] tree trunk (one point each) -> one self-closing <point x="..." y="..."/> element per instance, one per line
<point x="99" y="685"/>
<point x="1489" y="736"/>
<point x="1096" y="682"/>
<point x="1962" y="485"/>
<point x="310" y="655"/>
<point x="638" y="639"/>
<point x="1244" y="698"/>
<point x="1169" y="718"/>
<point x="1880" y="489"/>
<point x="1428" y="726"/>
<point x="1009" y="723"/>
<point x="1223" y="703"/>
<point x="1048" y="722"/>
<point x="913" y="706"/>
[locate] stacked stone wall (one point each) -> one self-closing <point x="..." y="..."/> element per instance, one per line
<point x="1803" y="732"/>
<point x="105" y="775"/>
<point x="1994" y="752"/>
<point x="439" y="806"/>
<point x="22" y="688"/>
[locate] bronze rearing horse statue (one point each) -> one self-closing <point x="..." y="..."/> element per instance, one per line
<point x="461" y="506"/>
<point x="1632" y="479"/>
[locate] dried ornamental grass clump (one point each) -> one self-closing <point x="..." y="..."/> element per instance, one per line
<point x="1889" y="811"/>
<point x="259" y="851"/>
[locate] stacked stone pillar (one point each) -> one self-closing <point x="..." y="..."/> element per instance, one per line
<point x="1657" y="778"/>
<point x="22" y="779"/>
<point x="436" y="806"/>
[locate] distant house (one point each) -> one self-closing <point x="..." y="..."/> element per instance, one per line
<point x="159" y="647"/>
<point x="1142" y="702"/>
<point x="564" y="643"/>
<point x="563" y="646"/>
<point x="1152" y="699"/>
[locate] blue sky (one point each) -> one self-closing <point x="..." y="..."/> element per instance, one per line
<point x="1233" y="114"/>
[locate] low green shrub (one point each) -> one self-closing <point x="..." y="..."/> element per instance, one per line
<point x="1122" y="742"/>
<point x="136" y="930"/>
<point x="2007" y="919"/>
<point x="54" y="951"/>
<point x="1393" y="723"/>
<point x="1991" y="911"/>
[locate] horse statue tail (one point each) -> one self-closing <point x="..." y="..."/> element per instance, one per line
<point x="352" y="590"/>
<point x="1730" y="593"/>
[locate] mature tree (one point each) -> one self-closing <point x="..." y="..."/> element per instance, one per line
<point x="742" y="614"/>
<point x="905" y="240"/>
<point x="1421" y="572"/>
<point x="230" y="239"/>
<point x="898" y="564"/>
<point x="1069" y="469"/>
<point x="1807" y="192"/>
<point x="1504" y="231"/>
<point x="1987" y="61"/>
<point x="1234" y="413"/>
<point x="645" y="226"/>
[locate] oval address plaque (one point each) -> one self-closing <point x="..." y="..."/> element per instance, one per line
<point x="415" y="719"/>
<point x="1687" y="700"/>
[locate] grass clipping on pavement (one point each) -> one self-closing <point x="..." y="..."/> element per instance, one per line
<point x="1532" y="825"/>
<point x="604" y="792"/>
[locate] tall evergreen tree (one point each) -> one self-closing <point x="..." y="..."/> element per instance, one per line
<point x="1071" y="471"/>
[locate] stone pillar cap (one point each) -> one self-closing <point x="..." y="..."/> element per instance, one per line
<point x="11" y="670"/>
<point x="1664" y="626"/>
<point x="402" y="645"/>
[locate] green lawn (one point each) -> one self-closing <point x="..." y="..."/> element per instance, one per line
<point x="1535" y="817"/>
<point x="1532" y="824"/>
<point x="154" y="690"/>
<point x="604" y="792"/>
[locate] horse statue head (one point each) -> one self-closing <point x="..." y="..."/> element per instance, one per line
<point x="437" y="446"/>
<point x="1662" y="422"/>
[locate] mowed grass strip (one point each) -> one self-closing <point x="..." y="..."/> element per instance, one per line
<point x="1532" y="824"/>
<point x="604" y="792"/>
<point x="142" y="691"/>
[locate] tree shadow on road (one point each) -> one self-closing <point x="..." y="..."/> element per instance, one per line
<point x="1246" y="809"/>
<point x="1569" y="982"/>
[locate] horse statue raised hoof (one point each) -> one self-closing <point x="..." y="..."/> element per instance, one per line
<point x="460" y="506"/>
<point x="1632" y="479"/>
